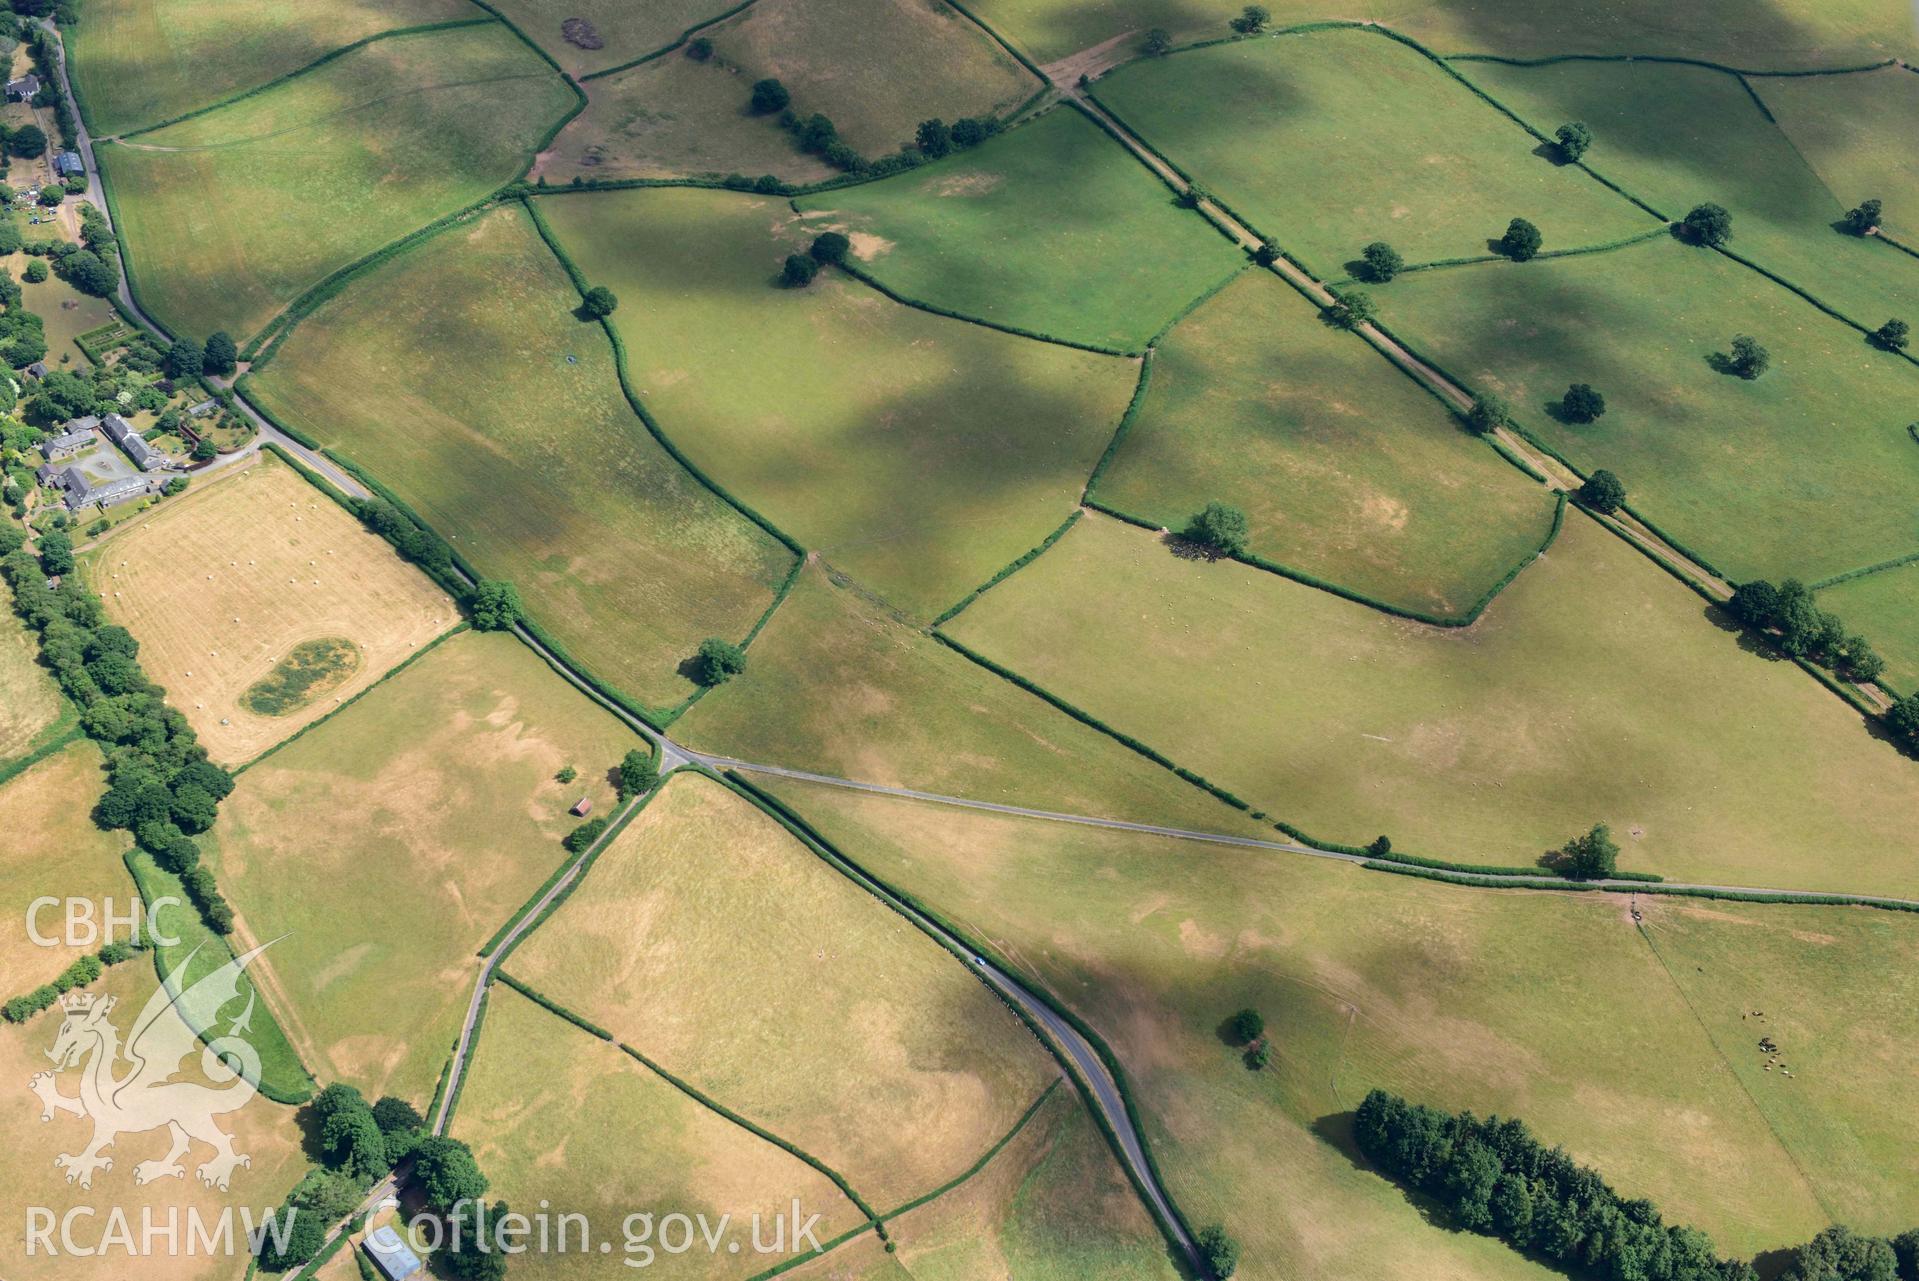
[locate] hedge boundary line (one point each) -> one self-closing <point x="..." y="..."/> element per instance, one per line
<point x="1012" y="568"/>
<point x="287" y="1098"/>
<point x="931" y="922"/>
<point x="307" y="474"/>
<point x="449" y="583"/>
<point x="1900" y="245"/>
<point x="584" y="862"/>
<point x="1815" y="300"/>
<point x="678" y="41"/>
<point x="389" y="674"/>
<point x="1480" y="260"/>
<point x="446" y="1069"/>
<point x="554" y="1007"/>
<point x="466" y="1061"/>
<point x="632" y="398"/>
<point x="1676" y="891"/>
<point x="579" y="94"/>
<point x="1833" y="581"/>
<point x="63" y="733"/>
<point x="243" y="387"/>
<point x="1550" y="59"/>
<point x="905" y="300"/>
<point x="423" y="28"/>
<point x="101" y="149"/>
<point x="1123" y="430"/>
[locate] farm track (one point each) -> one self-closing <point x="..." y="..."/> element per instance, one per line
<point x="1083" y="1058"/>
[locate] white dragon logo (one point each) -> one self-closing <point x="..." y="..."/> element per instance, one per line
<point x="146" y="1097"/>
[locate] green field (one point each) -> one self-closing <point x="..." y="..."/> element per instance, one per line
<point x="713" y="942"/>
<point x="1346" y="470"/>
<point x="624" y="30"/>
<point x="1852" y="131"/>
<point x="441" y="814"/>
<point x="917" y="453"/>
<point x="521" y="449"/>
<point x="875" y="67"/>
<point x="1807" y="471"/>
<point x="674" y="117"/>
<point x="1884" y="608"/>
<point x="1815" y="34"/>
<point x="1277" y="129"/>
<point x="1550" y="1008"/>
<point x="1595" y="689"/>
<point x="51" y="847"/>
<point x="1052" y="228"/>
<point x="1662" y="130"/>
<point x="559" y="1118"/>
<point x="309" y="670"/>
<point x="333" y="164"/>
<point x="836" y="685"/>
<point x="138" y="62"/>
<point x="30" y="702"/>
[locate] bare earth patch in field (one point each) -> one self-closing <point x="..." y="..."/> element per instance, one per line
<point x="225" y="584"/>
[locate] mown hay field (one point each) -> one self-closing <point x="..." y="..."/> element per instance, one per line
<point x="334" y="164"/>
<point x="1052" y="228"/>
<point x="443" y="817"/>
<point x="138" y="62"/>
<point x="1552" y="1008"/>
<point x="920" y="454"/>
<point x="521" y="450"/>
<point x="838" y="685"/>
<point x="709" y="939"/>
<point x="51" y="848"/>
<point x="1345" y="470"/>
<point x="30" y="703"/>
<point x="1594" y="689"/>
<point x="223" y="585"/>
<point x="1276" y="129"/>
<point x="559" y="1118"/>
<point x="262" y="1130"/>
<point x="1804" y="472"/>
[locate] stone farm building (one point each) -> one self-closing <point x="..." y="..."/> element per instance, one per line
<point x="127" y="437"/>
<point x="68" y="443"/>
<point x="81" y="492"/>
<point x="22" y="89"/>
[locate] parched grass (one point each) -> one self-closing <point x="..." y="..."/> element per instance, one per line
<point x="29" y="700"/>
<point x="442" y="816"/>
<point x="862" y="1042"/>
<point x="876" y="67"/>
<point x="1666" y="133"/>
<point x="265" y="1132"/>
<point x="1807" y="471"/>
<point x="1594" y="689"/>
<point x="918" y="453"/>
<point x="1884" y="608"/>
<point x="624" y="30"/>
<point x="138" y="62"/>
<point x="673" y="118"/>
<point x="836" y="685"/>
<point x="520" y="448"/>
<point x="224" y="585"/>
<point x="560" y="1118"/>
<point x="1329" y="140"/>
<point x="1851" y="130"/>
<point x="1345" y="470"/>
<point x="333" y="165"/>
<point x="1052" y="228"/>
<point x="52" y="849"/>
<point x="1546" y="1007"/>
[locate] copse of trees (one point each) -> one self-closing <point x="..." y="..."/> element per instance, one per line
<point x="160" y="784"/>
<point x="415" y="543"/>
<point x="1521" y="241"/>
<point x="1574" y="139"/>
<point x="1352" y="308"/>
<point x="356" y="1145"/>
<point x="829" y="248"/>
<point x="493" y="605"/>
<point x="1158" y="43"/>
<point x="1790" y="617"/>
<point x="769" y="96"/>
<point x="1592" y="857"/>
<point x="798" y="271"/>
<point x="1219" y="528"/>
<point x="935" y="138"/>
<point x="1251" y="20"/>
<point x="220" y="357"/>
<point x="1219" y="1249"/>
<point x="1493" y="1177"/>
<point x="28" y="142"/>
<point x="1708" y="224"/>
<point x="1863" y="217"/>
<point x="1382" y="262"/>
<point x="637" y="773"/>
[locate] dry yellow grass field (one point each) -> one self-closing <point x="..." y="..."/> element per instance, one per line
<point x="712" y="941"/>
<point x="558" y="1117"/>
<point x="437" y="815"/>
<point x="29" y="700"/>
<point x="264" y="1131"/>
<point x="221" y="584"/>
<point x="48" y="846"/>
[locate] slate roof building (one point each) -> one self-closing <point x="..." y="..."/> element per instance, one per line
<point x="22" y="89"/>
<point x="38" y="369"/>
<point x="66" y="444"/>
<point x="123" y="434"/>
<point x="390" y="1254"/>
<point x="81" y="492"/>
<point x="68" y="163"/>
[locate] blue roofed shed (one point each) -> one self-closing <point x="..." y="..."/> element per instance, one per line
<point x="390" y="1254"/>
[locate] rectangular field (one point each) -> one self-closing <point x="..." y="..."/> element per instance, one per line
<point x="837" y="685"/>
<point x="1595" y="689"/>
<point x="334" y="165"/>
<point x="443" y="816"/>
<point x="138" y="62"/>
<point x="52" y="848"/>
<point x="1345" y="469"/>
<point x="864" y="1043"/>
<point x="1053" y="228"/>
<point x="231" y="586"/>
<point x="558" y="1117"/>
<point x="1276" y="129"/>
<point x="918" y="453"/>
<point x="1805" y="472"/>
<point x="30" y="703"/>
<point x="521" y="449"/>
<point x="1551" y="1008"/>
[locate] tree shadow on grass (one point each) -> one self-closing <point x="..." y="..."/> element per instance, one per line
<point x="1189" y="548"/>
